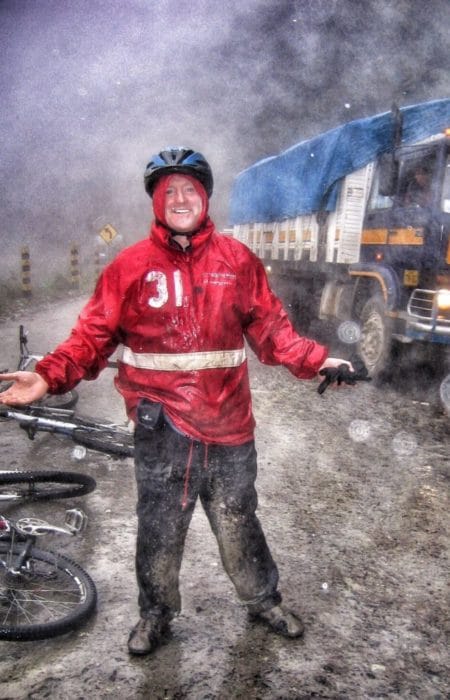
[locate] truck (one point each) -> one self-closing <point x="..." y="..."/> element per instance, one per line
<point x="353" y="226"/>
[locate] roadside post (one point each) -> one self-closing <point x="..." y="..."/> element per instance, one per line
<point x="74" y="267"/>
<point x="26" y="270"/>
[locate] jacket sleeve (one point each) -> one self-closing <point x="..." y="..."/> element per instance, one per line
<point x="92" y="340"/>
<point x="269" y="331"/>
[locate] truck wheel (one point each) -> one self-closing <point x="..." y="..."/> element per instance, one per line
<point x="375" y="344"/>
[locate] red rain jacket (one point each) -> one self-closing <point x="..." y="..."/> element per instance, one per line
<point x="181" y="319"/>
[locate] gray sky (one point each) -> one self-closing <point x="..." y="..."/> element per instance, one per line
<point x="90" y="89"/>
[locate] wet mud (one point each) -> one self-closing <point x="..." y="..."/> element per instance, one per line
<point x="354" y="500"/>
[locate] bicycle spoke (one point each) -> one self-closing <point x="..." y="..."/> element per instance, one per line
<point x="37" y="607"/>
<point x="38" y="596"/>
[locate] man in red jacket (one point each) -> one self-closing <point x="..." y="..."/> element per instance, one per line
<point x="180" y="304"/>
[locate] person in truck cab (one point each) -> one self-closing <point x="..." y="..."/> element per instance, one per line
<point x="181" y="303"/>
<point x="418" y="191"/>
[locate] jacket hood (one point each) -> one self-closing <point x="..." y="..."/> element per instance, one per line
<point x="159" y="197"/>
<point x="162" y="236"/>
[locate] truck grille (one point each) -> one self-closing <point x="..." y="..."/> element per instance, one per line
<point x="424" y="314"/>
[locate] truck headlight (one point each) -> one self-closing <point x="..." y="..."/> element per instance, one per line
<point x="443" y="299"/>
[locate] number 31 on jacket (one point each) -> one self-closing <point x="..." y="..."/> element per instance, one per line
<point x="162" y="292"/>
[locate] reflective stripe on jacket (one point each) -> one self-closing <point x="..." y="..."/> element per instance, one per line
<point x="182" y="318"/>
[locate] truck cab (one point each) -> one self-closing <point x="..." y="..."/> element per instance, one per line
<point x="354" y="226"/>
<point x="403" y="273"/>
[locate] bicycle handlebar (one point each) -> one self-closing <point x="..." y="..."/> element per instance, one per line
<point x="344" y="375"/>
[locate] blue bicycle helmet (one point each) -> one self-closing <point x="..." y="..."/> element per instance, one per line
<point x="178" y="160"/>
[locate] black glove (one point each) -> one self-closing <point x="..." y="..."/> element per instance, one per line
<point x="343" y="373"/>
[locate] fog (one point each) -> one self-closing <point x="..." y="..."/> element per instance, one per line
<point x="90" y="89"/>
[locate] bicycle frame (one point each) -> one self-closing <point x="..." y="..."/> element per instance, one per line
<point x="32" y="424"/>
<point x="26" y="358"/>
<point x="27" y="530"/>
<point x="108" y="438"/>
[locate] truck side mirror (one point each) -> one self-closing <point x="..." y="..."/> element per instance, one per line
<point x="387" y="175"/>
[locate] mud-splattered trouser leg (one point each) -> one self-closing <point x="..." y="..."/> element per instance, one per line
<point x="229" y="498"/>
<point x="171" y="472"/>
<point x="161" y="456"/>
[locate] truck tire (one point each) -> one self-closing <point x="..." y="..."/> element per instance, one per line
<point x="375" y="344"/>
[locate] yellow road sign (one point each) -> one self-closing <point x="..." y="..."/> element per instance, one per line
<point x="108" y="233"/>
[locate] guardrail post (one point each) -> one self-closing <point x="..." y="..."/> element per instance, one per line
<point x="74" y="267"/>
<point x="99" y="262"/>
<point x="26" y="270"/>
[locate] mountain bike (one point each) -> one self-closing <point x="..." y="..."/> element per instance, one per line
<point x="42" y="593"/>
<point x="27" y="360"/>
<point x="105" y="437"/>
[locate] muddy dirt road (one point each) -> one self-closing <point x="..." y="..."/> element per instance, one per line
<point x="354" y="500"/>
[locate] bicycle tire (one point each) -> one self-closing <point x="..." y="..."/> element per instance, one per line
<point x="44" y="485"/>
<point x="67" y="400"/>
<point x="103" y="439"/>
<point x="30" y="608"/>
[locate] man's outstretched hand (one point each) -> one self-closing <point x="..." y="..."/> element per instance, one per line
<point x="26" y="388"/>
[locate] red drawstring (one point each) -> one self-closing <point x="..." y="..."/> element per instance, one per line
<point x="187" y="475"/>
<point x="188" y="472"/>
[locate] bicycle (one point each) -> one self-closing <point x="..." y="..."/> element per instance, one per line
<point x="106" y="437"/>
<point x="27" y="360"/>
<point x="42" y="594"/>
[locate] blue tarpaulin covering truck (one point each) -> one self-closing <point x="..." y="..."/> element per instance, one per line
<point x="354" y="226"/>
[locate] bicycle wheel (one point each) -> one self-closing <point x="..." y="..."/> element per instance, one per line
<point x="44" y="485"/>
<point x="49" y="595"/>
<point x="103" y="439"/>
<point x="67" y="400"/>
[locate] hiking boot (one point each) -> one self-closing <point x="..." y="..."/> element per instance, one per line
<point x="147" y="635"/>
<point x="281" y="621"/>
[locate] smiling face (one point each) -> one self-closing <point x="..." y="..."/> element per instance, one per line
<point x="183" y="205"/>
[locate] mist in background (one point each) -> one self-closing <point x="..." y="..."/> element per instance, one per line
<point x="90" y="89"/>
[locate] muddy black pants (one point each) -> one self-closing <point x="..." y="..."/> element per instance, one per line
<point x="172" y="471"/>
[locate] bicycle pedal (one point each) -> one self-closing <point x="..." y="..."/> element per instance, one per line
<point x="76" y="520"/>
